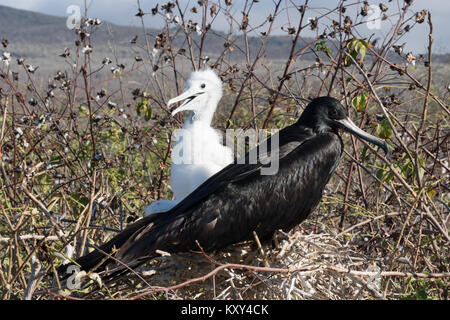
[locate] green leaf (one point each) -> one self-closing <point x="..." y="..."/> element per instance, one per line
<point x="359" y="103"/>
<point x="407" y="168"/>
<point x="384" y="130"/>
<point x="80" y="199"/>
<point x="363" y="46"/>
<point x="364" y="153"/>
<point x="148" y="114"/>
<point x="432" y="193"/>
<point x="142" y="106"/>
<point x="322" y="46"/>
<point x="83" y="111"/>
<point x="355" y="47"/>
<point x="384" y="173"/>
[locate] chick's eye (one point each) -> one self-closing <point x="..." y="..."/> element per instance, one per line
<point x="203" y="86"/>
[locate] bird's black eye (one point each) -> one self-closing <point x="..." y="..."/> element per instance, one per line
<point x="337" y="113"/>
<point x="203" y="86"/>
<point x="333" y="114"/>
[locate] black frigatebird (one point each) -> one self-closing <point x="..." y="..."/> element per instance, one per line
<point x="228" y="207"/>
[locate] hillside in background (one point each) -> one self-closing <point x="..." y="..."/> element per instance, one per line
<point x="21" y="26"/>
<point x="32" y="34"/>
<point x="38" y="37"/>
<point x="26" y="27"/>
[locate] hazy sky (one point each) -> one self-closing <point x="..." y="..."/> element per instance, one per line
<point x="123" y="11"/>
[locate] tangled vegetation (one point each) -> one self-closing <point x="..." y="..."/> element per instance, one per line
<point x="83" y="153"/>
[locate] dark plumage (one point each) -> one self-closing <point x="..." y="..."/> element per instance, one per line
<point x="238" y="200"/>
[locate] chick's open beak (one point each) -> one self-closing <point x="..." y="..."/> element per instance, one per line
<point x="189" y="96"/>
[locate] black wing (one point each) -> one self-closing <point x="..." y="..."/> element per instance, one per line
<point x="137" y="243"/>
<point x="289" y="139"/>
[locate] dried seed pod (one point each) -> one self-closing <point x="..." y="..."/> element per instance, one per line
<point x="66" y="53"/>
<point x="168" y="6"/>
<point x="314" y="22"/>
<point x="87" y="50"/>
<point x="31" y="68"/>
<point x="244" y="23"/>
<point x="32" y="102"/>
<point x="399" y="49"/>
<point x="420" y="16"/>
<point x="347" y="23"/>
<point x="213" y="10"/>
<point x="134" y="40"/>
<point x="136" y="93"/>
<point x="160" y="40"/>
<point x="365" y="9"/>
<point x="102" y="93"/>
<point x="411" y="58"/>
<point x="155" y="9"/>
<point x="112" y="105"/>
<point x="140" y="13"/>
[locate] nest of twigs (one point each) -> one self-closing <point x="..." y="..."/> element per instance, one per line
<point x="293" y="266"/>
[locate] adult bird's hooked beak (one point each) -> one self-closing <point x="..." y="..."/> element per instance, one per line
<point x="349" y="126"/>
<point x="189" y="96"/>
